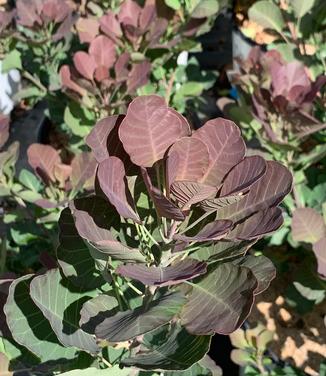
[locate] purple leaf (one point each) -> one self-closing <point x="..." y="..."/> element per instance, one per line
<point x="267" y="192"/>
<point x="85" y="64"/>
<point x="163" y="276"/>
<point x="54" y="11"/>
<point x="148" y="15"/>
<point x="259" y="224"/>
<point x="149" y="128"/>
<point x="225" y="146"/>
<point x="319" y="249"/>
<point x="112" y="179"/>
<point x="192" y="160"/>
<point x="220" y="202"/>
<point x="243" y="175"/>
<point x="98" y="137"/>
<point x="263" y="270"/>
<point x="220" y="301"/>
<point x="93" y="221"/>
<point x="129" y="13"/>
<point x="88" y="29"/>
<point x="138" y="76"/>
<point x="121" y="67"/>
<point x="27" y="13"/>
<point x="164" y="207"/>
<point x="307" y="225"/>
<point x="103" y="51"/>
<point x="212" y="231"/>
<point x="43" y="158"/>
<point x="188" y="193"/>
<point x="132" y="323"/>
<point x="83" y="169"/>
<point x="68" y="83"/>
<point x="110" y="25"/>
<point x="65" y="28"/>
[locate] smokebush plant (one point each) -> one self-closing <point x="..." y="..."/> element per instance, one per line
<point x="131" y="49"/>
<point x="155" y="262"/>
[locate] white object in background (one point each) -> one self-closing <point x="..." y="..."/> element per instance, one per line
<point x="9" y="86"/>
<point x="183" y="58"/>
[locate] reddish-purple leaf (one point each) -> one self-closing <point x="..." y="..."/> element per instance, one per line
<point x="43" y="158"/>
<point x="101" y="73"/>
<point x="98" y="137"/>
<point x="147" y="15"/>
<point x="319" y="249"/>
<point x="149" y="128"/>
<point x="192" y="160"/>
<point x="285" y="78"/>
<point x="67" y="82"/>
<point x="259" y="224"/>
<point x="47" y="204"/>
<point x="212" y="231"/>
<point x="103" y="51"/>
<point x="164" y="276"/>
<point x="85" y="64"/>
<point x="83" y="170"/>
<point x="65" y="28"/>
<point x="267" y="192"/>
<point x="263" y="270"/>
<point x="88" y="29"/>
<point x="225" y="146"/>
<point x="5" y="19"/>
<point x="27" y="13"/>
<point x="220" y="202"/>
<point x="110" y="25"/>
<point x="54" y="11"/>
<point x="243" y="175"/>
<point x="112" y="179"/>
<point x="164" y="207"/>
<point x="129" y="13"/>
<point x="138" y="76"/>
<point x="188" y="193"/>
<point x="307" y="225"/>
<point x="93" y="221"/>
<point x="62" y="173"/>
<point x="4" y="129"/>
<point x="121" y="67"/>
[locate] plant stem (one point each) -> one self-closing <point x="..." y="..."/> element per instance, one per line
<point x="134" y="288"/>
<point x="196" y="222"/>
<point x="34" y="81"/>
<point x="148" y="234"/>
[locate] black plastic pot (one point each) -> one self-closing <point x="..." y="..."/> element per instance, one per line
<point x="220" y="352"/>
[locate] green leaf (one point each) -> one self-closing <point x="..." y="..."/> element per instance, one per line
<point x="113" y="371"/>
<point x="223" y="297"/>
<point x="174" y="4"/>
<point x="96" y="310"/>
<point x="11" y="61"/>
<point x="286" y="50"/>
<point x="29" y="327"/>
<point x="205" y="8"/>
<point x="29" y="180"/>
<point x="189" y="89"/>
<point x="73" y="255"/>
<point x="132" y="323"/>
<point x="301" y="7"/>
<point x="79" y="120"/>
<point x="61" y="303"/>
<point x="179" y="351"/>
<point x="266" y="14"/>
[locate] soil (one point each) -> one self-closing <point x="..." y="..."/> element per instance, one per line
<point x="299" y="340"/>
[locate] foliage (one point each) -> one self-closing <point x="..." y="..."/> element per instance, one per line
<point x="298" y="26"/>
<point x="163" y="239"/>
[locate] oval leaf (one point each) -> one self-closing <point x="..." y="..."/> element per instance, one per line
<point x="149" y="128"/>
